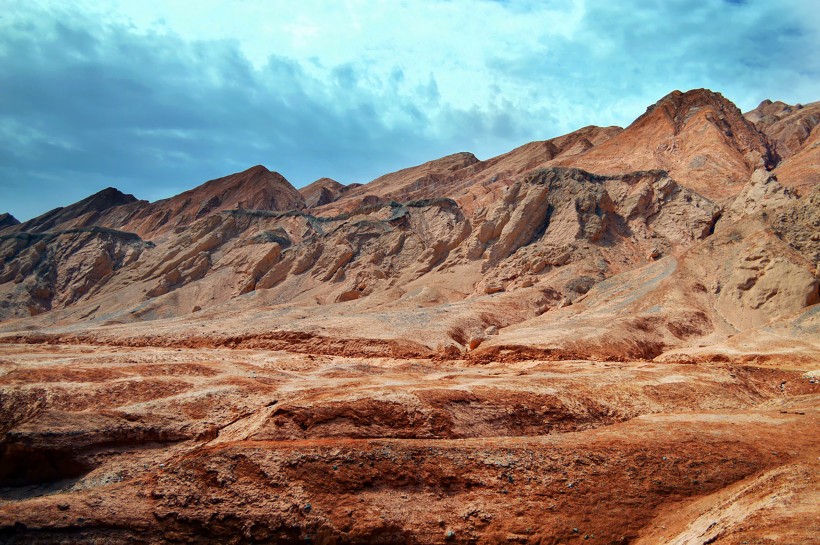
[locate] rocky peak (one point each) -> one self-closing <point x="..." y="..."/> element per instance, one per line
<point x="256" y="188"/>
<point x="679" y="107"/>
<point x="322" y="191"/>
<point x="769" y="111"/>
<point x="7" y="220"/>
<point x="108" y="197"/>
<point x="80" y="213"/>
<point x="697" y="136"/>
<point x="788" y="127"/>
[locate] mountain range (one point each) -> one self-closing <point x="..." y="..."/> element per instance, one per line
<point x="685" y="246"/>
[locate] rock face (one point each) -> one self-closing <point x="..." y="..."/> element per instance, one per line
<point x="788" y="127"/>
<point x="462" y="177"/>
<point x="546" y="228"/>
<point x="324" y="191"/>
<point x="88" y="211"/>
<point x="7" y="220"/>
<point x="611" y="336"/>
<point x="256" y="188"/>
<point x="55" y="270"/>
<point x="793" y="130"/>
<point x="699" y="137"/>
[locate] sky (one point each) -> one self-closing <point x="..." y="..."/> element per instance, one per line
<point x="154" y="97"/>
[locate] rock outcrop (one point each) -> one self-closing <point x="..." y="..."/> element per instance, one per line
<point x="509" y="350"/>
<point x="255" y="189"/>
<point x="699" y="137"/>
<point x="794" y="132"/>
<point x="324" y="191"/>
<point x="7" y="220"/>
<point x="89" y="211"/>
<point x="788" y="127"/>
<point x="54" y="270"/>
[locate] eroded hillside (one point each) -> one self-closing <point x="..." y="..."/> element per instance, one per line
<point x="612" y="337"/>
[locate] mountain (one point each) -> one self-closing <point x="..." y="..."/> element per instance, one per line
<point x="611" y="336"/>
<point x="256" y="188"/>
<point x="788" y="127"/>
<point x="85" y="212"/>
<point x="463" y="177"/>
<point x="699" y="137"/>
<point x="793" y="130"/>
<point x="7" y="220"/>
<point x="324" y="191"/>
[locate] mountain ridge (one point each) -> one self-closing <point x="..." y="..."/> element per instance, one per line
<point x="519" y="349"/>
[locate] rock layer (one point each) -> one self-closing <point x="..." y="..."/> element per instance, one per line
<point x="509" y="350"/>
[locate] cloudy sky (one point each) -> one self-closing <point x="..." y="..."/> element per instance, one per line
<point x="156" y="96"/>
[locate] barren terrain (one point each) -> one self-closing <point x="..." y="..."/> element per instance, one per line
<point x="608" y="337"/>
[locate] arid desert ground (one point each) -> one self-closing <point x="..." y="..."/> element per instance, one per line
<point x="609" y="337"/>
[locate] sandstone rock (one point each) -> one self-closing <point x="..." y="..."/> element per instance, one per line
<point x="324" y="191"/>
<point x="466" y="350"/>
<point x="699" y="137"/>
<point x="763" y="192"/>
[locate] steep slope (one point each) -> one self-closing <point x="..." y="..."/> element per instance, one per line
<point x="57" y="269"/>
<point x="553" y="235"/>
<point x="794" y="132"/>
<point x="324" y="191"/>
<point x="788" y="127"/>
<point x="757" y="268"/>
<point x="416" y="182"/>
<point x="802" y="170"/>
<point x="472" y="183"/>
<point x="256" y="188"/>
<point x="699" y="137"/>
<point x="88" y="211"/>
<point x="7" y="220"/>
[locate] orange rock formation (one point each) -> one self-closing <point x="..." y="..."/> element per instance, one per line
<point x="609" y="337"/>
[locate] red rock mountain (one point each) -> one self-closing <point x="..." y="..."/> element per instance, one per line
<point x="324" y="191"/>
<point x="794" y="133"/>
<point x="85" y="212"/>
<point x="608" y="337"/>
<point x="699" y="137"/>
<point x="463" y="177"/>
<point x="256" y="188"/>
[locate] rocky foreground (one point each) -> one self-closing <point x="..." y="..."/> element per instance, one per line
<point x="608" y="337"/>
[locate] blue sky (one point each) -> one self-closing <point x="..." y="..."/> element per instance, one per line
<point x="157" y="96"/>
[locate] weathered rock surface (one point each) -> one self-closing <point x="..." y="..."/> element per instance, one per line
<point x="324" y="191"/>
<point x="88" y="211"/>
<point x="510" y="350"/>
<point x="7" y="220"/>
<point x="157" y="445"/>
<point x="699" y="137"/>
<point x="54" y="270"/>
<point x="788" y="127"/>
<point x="793" y="130"/>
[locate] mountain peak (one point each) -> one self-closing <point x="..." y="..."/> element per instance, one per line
<point x="80" y="213"/>
<point x="323" y="191"/>
<point x="698" y="136"/>
<point x="677" y="105"/>
<point x="7" y="220"/>
<point x="256" y="169"/>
